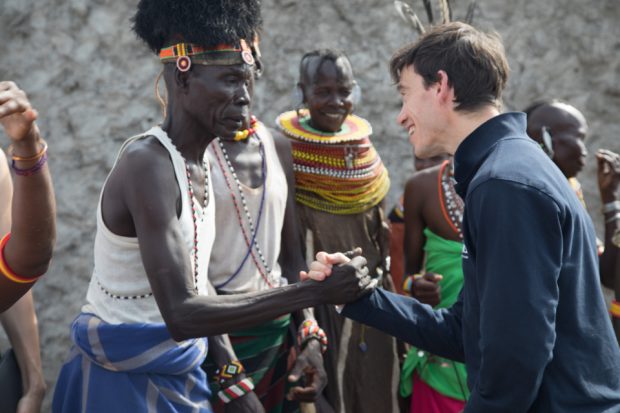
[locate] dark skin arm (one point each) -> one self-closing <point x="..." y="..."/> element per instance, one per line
<point x="131" y="204"/>
<point x="422" y="210"/>
<point x="33" y="225"/>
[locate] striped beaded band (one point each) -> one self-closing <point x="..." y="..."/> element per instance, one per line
<point x="310" y="329"/>
<point x="229" y="371"/>
<point x="237" y="390"/>
<point x="614" y="310"/>
<point x="185" y="54"/>
<point x="7" y="271"/>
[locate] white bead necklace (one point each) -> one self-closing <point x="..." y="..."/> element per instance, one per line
<point x="267" y="275"/>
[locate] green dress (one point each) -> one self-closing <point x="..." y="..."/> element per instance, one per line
<point x="447" y="377"/>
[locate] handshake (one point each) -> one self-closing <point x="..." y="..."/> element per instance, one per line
<point x="339" y="278"/>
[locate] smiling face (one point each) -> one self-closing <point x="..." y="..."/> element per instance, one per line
<point x="420" y="115"/>
<point x="327" y="90"/>
<point x="219" y="97"/>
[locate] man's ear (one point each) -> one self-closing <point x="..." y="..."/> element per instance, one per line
<point x="181" y="79"/>
<point x="444" y="90"/>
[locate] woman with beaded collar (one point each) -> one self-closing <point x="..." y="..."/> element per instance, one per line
<point x="259" y="248"/>
<point x="433" y="213"/>
<point x="340" y="186"/>
<point x="140" y="339"/>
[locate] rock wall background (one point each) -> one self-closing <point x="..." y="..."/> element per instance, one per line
<point x="92" y="82"/>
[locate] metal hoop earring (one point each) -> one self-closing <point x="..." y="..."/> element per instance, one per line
<point x="163" y="101"/>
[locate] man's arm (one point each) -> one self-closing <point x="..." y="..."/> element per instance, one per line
<point x="145" y="165"/>
<point x="33" y="224"/>
<point x="20" y="324"/>
<point x="407" y="319"/>
<point x="515" y="235"/>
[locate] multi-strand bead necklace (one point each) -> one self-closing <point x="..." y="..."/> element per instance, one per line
<point x="251" y="239"/>
<point x="340" y="172"/>
<point x="452" y="205"/>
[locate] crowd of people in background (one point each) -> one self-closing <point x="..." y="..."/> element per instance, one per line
<point x="246" y="266"/>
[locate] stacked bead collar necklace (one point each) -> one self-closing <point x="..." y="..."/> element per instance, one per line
<point x="338" y="172"/>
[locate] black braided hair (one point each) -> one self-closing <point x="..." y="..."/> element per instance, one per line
<point x="203" y="22"/>
<point x="323" y="55"/>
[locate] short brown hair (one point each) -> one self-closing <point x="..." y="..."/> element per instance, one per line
<point x="474" y="61"/>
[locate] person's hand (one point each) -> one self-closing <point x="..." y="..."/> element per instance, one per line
<point x="322" y="266"/>
<point x="248" y="403"/>
<point x="608" y="174"/>
<point x="31" y="400"/>
<point x="426" y="289"/>
<point x="342" y="283"/>
<point x="17" y="116"/>
<point x="309" y="363"/>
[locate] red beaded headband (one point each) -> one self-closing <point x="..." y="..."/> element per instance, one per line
<point x="184" y="54"/>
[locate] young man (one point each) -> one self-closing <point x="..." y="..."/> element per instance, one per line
<point x="530" y="324"/>
<point x="139" y="341"/>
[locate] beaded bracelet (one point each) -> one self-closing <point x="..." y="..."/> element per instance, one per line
<point x="236" y="390"/>
<point x="7" y="271"/>
<point x="408" y="282"/>
<point x="310" y="329"/>
<point x="28" y="158"/>
<point x="614" y="310"/>
<point x="33" y="169"/>
<point x="613" y="218"/>
<point x="229" y="371"/>
<point x="613" y="206"/>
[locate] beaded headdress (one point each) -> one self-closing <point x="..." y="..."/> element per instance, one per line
<point x="186" y="54"/>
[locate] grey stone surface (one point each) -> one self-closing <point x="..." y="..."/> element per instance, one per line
<point x="92" y="82"/>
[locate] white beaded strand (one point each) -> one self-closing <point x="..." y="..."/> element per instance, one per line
<point x="247" y="212"/>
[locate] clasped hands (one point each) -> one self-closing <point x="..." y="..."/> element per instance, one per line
<point x="340" y="277"/>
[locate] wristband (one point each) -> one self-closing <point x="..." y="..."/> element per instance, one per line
<point x="613" y="218"/>
<point x="28" y="158"/>
<point x="33" y="169"/>
<point x="613" y="206"/>
<point x="614" y="310"/>
<point x="310" y="329"/>
<point x="229" y="371"/>
<point x="408" y="282"/>
<point x="236" y="390"/>
<point x="7" y="271"/>
<point x="615" y="238"/>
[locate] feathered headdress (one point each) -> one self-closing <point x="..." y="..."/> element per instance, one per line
<point x="405" y="11"/>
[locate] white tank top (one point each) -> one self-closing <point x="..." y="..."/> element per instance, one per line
<point x="119" y="290"/>
<point x="232" y="247"/>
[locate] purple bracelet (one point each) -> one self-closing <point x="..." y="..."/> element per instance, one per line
<point x="33" y="169"/>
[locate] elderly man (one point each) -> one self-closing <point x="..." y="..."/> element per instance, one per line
<point x="139" y="340"/>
